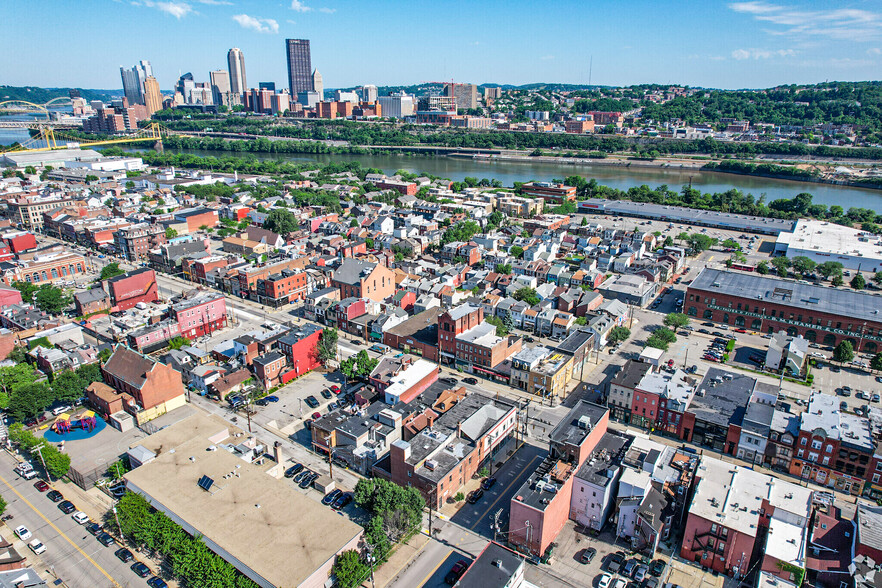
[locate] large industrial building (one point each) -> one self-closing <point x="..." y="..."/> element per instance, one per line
<point x="818" y="313"/>
<point x="822" y="241"/>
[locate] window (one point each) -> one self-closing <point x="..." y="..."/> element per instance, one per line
<point x="816" y="444"/>
<point x="803" y="441"/>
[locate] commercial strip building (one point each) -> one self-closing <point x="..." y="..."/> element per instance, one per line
<point x="817" y="313"/>
<point x="822" y="241"/>
<point x="248" y="514"/>
<point x="689" y="216"/>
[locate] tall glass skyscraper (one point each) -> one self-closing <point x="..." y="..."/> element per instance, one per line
<point x="133" y="81"/>
<point x="236" y="63"/>
<point x="299" y="66"/>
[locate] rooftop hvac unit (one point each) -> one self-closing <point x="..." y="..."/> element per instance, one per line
<point x="431" y="465"/>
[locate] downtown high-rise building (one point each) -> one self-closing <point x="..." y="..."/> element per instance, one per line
<point x="220" y="84"/>
<point x="152" y="95"/>
<point x="236" y="63"/>
<point x="369" y="93"/>
<point x="133" y="81"/>
<point x="318" y="86"/>
<point x="299" y="66"/>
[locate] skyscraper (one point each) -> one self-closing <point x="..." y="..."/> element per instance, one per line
<point x="318" y="86"/>
<point x="152" y="96"/>
<point x="236" y="62"/>
<point x="369" y="93"/>
<point x="299" y="66"/>
<point x="133" y="81"/>
<point x="220" y="84"/>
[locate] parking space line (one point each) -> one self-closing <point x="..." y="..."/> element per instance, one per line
<point x="60" y="533"/>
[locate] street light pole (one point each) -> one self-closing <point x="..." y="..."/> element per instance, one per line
<point x="39" y="450"/>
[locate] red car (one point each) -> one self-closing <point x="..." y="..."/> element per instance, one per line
<point x="41" y="485"/>
<point x="335" y="389"/>
<point x="740" y="330"/>
<point x="316" y="415"/>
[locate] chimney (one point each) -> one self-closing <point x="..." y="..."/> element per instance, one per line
<point x="459" y="429"/>
<point x="277" y="451"/>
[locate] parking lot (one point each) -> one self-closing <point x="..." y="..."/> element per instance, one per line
<point x="292" y="409"/>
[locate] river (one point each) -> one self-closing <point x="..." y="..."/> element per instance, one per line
<point x="508" y="172"/>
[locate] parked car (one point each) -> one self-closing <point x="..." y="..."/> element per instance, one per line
<point x="331" y="496"/>
<point x="80" y="517"/>
<point x="140" y="569"/>
<point x="475" y="496"/>
<point x="449" y="380"/>
<point x="615" y="561"/>
<point x="640" y="573"/>
<point x="157" y="582"/>
<point x="605" y="581"/>
<point x="335" y="389"/>
<point x="66" y="507"/>
<point x="344" y="499"/>
<point x="55" y="496"/>
<point x="629" y="568"/>
<point x="124" y="555"/>
<point x="292" y="471"/>
<point x="620" y="583"/>
<point x="456" y="572"/>
<point x="488" y="483"/>
<point x="657" y="567"/>
<point x="23" y="533"/>
<point x="316" y="416"/>
<point x="472" y="381"/>
<point x="93" y="528"/>
<point x="300" y="475"/>
<point x="875" y="397"/>
<point x="37" y="547"/>
<point x="587" y="555"/>
<point x="41" y="485"/>
<point x="312" y="401"/>
<point x="326" y="394"/>
<point x="105" y="539"/>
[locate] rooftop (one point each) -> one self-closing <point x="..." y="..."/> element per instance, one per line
<point x="818" y="237"/>
<point x="631" y="373"/>
<point x="275" y="525"/>
<point x="847" y="303"/>
<point x="494" y="568"/>
<point x="721" y="397"/>
<point x="483" y="335"/>
<point x="869" y="525"/>
<point x="823" y="414"/>
<point x="578" y="423"/>
<point x="600" y="467"/>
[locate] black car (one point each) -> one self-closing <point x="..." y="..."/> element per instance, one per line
<point x="488" y="483"/>
<point x="140" y="569"/>
<point x="472" y="381"/>
<point x="326" y="394"/>
<point x="261" y="402"/>
<point x="704" y="331"/>
<point x="475" y="496"/>
<point x="342" y="501"/>
<point x="587" y="555"/>
<point x="124" y="555"/>
<point x="449" y="380"/>
<point x="529" y="339"/>
<point x="300" y="475"/>
<point x="657" y="567"/>
<point x="331" y="497"/>
<point x="292" y="471"/>
<point x="708" y="325"/>
<point x="67" y="507"/>
<point x="307" y="480"/>
<point x="717" y="334"/>
<point x="55" y="496"/>
<point x="105" y="539"/>
<point x="94" y="528"/>
<point x="156" y="582"/>
<point x="312" y="401"/>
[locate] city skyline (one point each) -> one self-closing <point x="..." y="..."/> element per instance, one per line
<point x="749" y="44"/>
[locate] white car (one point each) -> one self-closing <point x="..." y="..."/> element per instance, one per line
<point x="23" y="533"/>
<point x="605" y="581"/>
<point x="620" y="583"/>
<point x="37" y="547"/>
<point x="80" y="517"/>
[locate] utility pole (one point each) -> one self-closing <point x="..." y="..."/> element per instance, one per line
<point x="118" y="526"/>
<point x="39" y="450"/>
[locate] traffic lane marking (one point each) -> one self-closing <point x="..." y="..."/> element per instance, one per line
<point x="435" y="569"/>
<point x="59" y="531"/>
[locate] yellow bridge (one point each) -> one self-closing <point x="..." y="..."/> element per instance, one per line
<point x="49" y="140"/>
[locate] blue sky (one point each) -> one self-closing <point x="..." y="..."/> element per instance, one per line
<point x="697" y="42"/>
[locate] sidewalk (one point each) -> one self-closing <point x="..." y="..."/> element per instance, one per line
<point x="403" y="557"/>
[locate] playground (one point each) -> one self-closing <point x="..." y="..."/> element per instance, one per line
<point x="68" y="428"/>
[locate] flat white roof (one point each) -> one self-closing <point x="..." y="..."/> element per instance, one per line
<point x="786" y="542"/>
<point x="819" y="237"/>
<point x="405" y="380"/>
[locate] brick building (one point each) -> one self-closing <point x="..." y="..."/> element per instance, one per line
<point x="200" y="313"/>
<point x="362" y="279"/>
<point x="129" y="289"/>
<point x="268" y="368"/>
<point x="196" y="270"/>
<point x="20" y="241"/>
<point x="551" y="193"/>
<point x="135" y="241"/>
<point x="579" y="127"/>
<point x="417" y="335"/>
<point x="156" y="388"/>
<point x="45" y="267"/>
<point x="282" y="288"/>
<point x="299" y="347"/>
<point x="196" y="217"/>
<point x="764" y="303"/>
<point x="401" y="379"/>
<point x="404" y="188"/>
<point x="453" y="323"/>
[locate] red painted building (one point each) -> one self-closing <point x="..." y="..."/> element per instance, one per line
<point x="299" y="347"/>
<point x="200" y="314"/>
<point x="133" y="287"/>
<point x="282" y="288"/>
<point x="347" y="310"/>
<point x="5" y="251"/>
<point x="197" y="217"/>
<point x="20" y="241"/>
<point x="149" y="382"/>
<point x="455" y="322"/>
<point x="404" y="188"/>
<point x="197" y="269"/>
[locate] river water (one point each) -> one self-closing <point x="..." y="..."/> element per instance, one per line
<point x="508" y="172"/>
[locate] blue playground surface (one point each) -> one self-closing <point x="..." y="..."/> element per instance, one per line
<point x="76" y="433"/>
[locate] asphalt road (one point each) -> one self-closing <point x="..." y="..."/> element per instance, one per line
<point x="72" y="553"/>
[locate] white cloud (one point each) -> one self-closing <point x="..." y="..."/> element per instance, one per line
<point x="741" y="54"/>
<point x="261" y="25"/>
<point x="328" y="10"/>
<point x="177" y="9"/>
<point x="298" y="6"/>
<point x="874" y="51"/>
<point x="215" y="2"/>
<point x="291" y="22"/>
<point x="846" y="24"/>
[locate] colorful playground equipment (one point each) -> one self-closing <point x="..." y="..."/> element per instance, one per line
<point x="63" y="424"/>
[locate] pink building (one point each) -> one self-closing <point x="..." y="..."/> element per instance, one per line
<point x="200" y="313"/>
<point x="540" y="509"/>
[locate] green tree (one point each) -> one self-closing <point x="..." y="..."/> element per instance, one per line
<point x="782" y="264"/>
<point x="762" y="268"/>
<point x="830" y="269"/>
<point x="731" y="244"/>
<point x="699" y="242"/>
<point x="326" y="348"/>
<point x="837" y="280"/>
<point x="52" y="299"/>
<point x="528" y="295"/>
<point x="502" y="268"/>
<point x="501" y="330"/>
<point x="858" y="282"/>
<point x="178" y="342"/>
<point x="111" y="270"/>
<point x="803" y="265"/>
<point x="843" y="352"/>
<point x="877" y="278"/>
<point x="876" y="362"/>
<point x="369" y="243"/>
<point x="57" y="463"/>
<point x="170" y="233"/>
<point x="349" y="570"/>
<point x="617" y="335"/>
<point x="30" y="170"/>
<point x="676" y="320"/>
<point x="516" y="251"/>
<point x="281" y="221"/>
<point x="27" y="289"/>
<point x="104" y="355"/>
